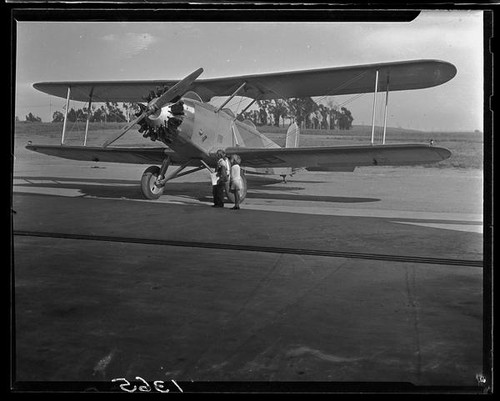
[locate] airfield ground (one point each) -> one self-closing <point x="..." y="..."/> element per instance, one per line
<point x="371" y="276"/>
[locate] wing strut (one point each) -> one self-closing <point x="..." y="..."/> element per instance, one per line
<point x="89" y="113"/>
<point x="65" y="115"/>
<point x="374" y="105"/>
<point x="386" y="105"/>
<point x="230" y="97"/>
<point x="246" y="108"/>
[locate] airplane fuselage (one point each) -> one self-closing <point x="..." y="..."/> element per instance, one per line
<point x="202" y="129"/>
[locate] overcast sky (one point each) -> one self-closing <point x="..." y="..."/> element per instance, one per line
<point x="54" y="51"/>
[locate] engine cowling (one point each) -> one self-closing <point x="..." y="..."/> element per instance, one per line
<point x="162" y="124"/>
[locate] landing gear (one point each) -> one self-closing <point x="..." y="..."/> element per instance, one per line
<point x="154" y="178"/>
<point x="149" y="188"/>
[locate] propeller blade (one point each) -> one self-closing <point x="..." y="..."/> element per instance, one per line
<point x="178" y="89"/>
<point x="112" y="139"/>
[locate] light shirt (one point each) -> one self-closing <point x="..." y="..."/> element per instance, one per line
<point x="228" y="166"/>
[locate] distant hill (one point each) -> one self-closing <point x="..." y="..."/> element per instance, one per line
<point x="357" y="130"/>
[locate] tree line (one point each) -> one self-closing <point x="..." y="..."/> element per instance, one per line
<point x="277" y="112"/>
<point x="109" y="112"/>
<point x="304" y="111"/>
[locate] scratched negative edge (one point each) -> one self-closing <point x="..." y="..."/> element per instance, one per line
<point x="256" y="248"/>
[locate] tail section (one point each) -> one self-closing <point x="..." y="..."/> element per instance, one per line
<point x="292" y="140"/>
<point x="292" y="136"/>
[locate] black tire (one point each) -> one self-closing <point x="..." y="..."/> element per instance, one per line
<point x="148" y="188"/>
<point x="243" y="194"/>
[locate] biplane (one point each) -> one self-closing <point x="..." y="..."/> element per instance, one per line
<point x="190" y="129"/>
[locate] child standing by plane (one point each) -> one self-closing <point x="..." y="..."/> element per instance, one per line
<point x="236" y="182"/>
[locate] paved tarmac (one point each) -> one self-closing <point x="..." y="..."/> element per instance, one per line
<point x="371" y="276"/>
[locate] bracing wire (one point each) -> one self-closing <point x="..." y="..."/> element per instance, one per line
<point x="236" y="103"/>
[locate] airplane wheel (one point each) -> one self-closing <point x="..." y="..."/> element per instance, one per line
<point x="148" y="187"/>
<point x="243" y="194"/>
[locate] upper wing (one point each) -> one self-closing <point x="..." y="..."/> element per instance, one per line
<point x="340" y="158"/>
<point x="403" y="75"/>
<point x="111" y="155"/>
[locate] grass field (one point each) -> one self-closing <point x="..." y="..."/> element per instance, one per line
<point x="466" y="147"/>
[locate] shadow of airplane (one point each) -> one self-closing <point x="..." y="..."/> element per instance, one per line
<point x="201" y="191"/>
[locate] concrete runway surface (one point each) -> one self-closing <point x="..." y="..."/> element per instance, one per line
<point x="371" y="276"/>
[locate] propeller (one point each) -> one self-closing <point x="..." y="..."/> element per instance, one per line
<point x="157" y="103"/>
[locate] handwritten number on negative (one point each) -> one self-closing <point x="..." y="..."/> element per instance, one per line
<point x="159" y="385"/>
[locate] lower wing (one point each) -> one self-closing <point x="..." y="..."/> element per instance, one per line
<point x="135" y="155"/>
<point x="338" y="158"/>
<point x="341" y="158"/>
